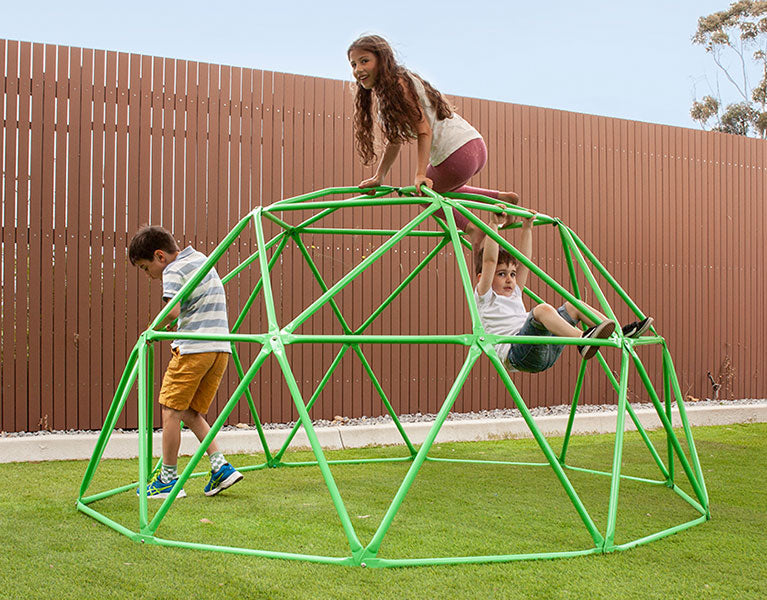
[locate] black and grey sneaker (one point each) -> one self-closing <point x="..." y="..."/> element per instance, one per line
<point x="637" y="328"/>
<point x="599" y="331"/>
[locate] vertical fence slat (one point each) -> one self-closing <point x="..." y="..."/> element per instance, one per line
<point x="72" y="296"/>
<point x="124" y="329"/>
<point x="9" y="197"/>
<point x="59" y="258"/>
<point x="35" y="239"/>
<point x="21" y="395"/>
<point x="83" y="214"/>
<point x="100" y="343"/>
<point x="111" y="368"/>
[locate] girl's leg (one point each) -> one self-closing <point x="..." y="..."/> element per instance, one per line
<point x="456" y="170"/>
<point x="452" y="174"/>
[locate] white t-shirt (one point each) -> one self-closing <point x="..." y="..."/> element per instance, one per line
<point x="448" y="134"/>
<point x="501" y="315"/>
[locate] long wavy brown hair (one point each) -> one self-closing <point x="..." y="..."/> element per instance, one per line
<point x="399" y="115"/>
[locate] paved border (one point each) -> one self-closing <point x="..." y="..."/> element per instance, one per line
<point x="125" y="445"/>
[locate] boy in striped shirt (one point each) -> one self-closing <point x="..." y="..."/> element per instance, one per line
<point x="196" y="366"/>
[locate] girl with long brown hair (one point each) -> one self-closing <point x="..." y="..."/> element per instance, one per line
<point x="450" y="150"/>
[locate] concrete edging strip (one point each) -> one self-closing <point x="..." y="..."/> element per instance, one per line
<point x="125" y="445"/>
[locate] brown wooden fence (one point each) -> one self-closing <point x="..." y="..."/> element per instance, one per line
<point x="97" y="143"/>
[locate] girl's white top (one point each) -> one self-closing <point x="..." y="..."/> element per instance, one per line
<point x="448" y="134"/>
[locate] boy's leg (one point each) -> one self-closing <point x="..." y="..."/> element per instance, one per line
<point x="577" y="315"/>
<point x="198" y="425"/>
<point x="171" y="435"/>
<point x="548" y="316"/>
<point x="222" y="474"/>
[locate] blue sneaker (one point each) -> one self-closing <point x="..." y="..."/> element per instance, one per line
<point x="225" y="477"/>
<point x="158" y="488"/>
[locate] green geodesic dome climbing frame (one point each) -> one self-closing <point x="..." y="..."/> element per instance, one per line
<point x="277" y="336"/>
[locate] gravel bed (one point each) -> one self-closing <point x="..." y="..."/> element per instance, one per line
<point x="499" y="413"/>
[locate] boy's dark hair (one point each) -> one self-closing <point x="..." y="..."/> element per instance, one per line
<point x="504" y="258"/>
<point x="148" y="239"/>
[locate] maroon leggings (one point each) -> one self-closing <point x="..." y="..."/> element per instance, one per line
<point x="452" y="174"/>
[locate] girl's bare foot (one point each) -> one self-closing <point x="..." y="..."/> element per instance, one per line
<point x="513" y="198"/>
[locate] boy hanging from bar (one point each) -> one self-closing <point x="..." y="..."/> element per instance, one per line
<point x="498" y="294"/>
<point x="196" y="366"/>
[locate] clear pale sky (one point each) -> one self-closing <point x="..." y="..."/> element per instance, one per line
<point x="632" y="60"/>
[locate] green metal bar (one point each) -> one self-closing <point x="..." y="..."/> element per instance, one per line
<point x="457" y="339"/>
<point x="279" y="352"/>
<point x="609" y="474"/>
<point x="287" y="227"/>
<point x="660" y="534"/>
<point x="535" y="297"/>
<point x="375" y="543"/>
<point x="346" y="279"/>
<point x="582" y="369"/>
<point x="348" y="461"/>
<point x="306" y="222"/>
<point x="489" y="462"/>
<point x="466" y="560"/>
<point x="108" y="493"/>
<point x="257" y="288"/>
<point x="107" y="521"/>
<point x="149" y="404"/>
<point x="617" y="453"/>
<point x="686" y="427"/>
<point x="143" y="460"/>
<point x="569" y="260"/>
<point x="257" y="338"/>
<point x="463" y="270"/>
<point x="115" y="409"/>
<point x="691" y="501"/>
<point x="603" y="303"/>
<point x="330" y="560"/>
<point x="381" y="232"/>
<point x="667" y="399"/>
<point x="378" y="192"/>
<point x="352" y="203"/>
<point x="271" y="314"/>
<point x="573" y="408"/>
<point x="668" y="427"/>
<point x="544" y="445"/>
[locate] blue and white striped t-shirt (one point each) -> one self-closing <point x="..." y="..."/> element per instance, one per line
<point x="204" y="311"/>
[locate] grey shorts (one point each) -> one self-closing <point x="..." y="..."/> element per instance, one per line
<point x="534" y="358"/>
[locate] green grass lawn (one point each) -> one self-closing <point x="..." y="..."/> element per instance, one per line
<point x="51" y="550"/>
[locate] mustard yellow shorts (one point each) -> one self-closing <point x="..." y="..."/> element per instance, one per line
<point x="191" y="380"/>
